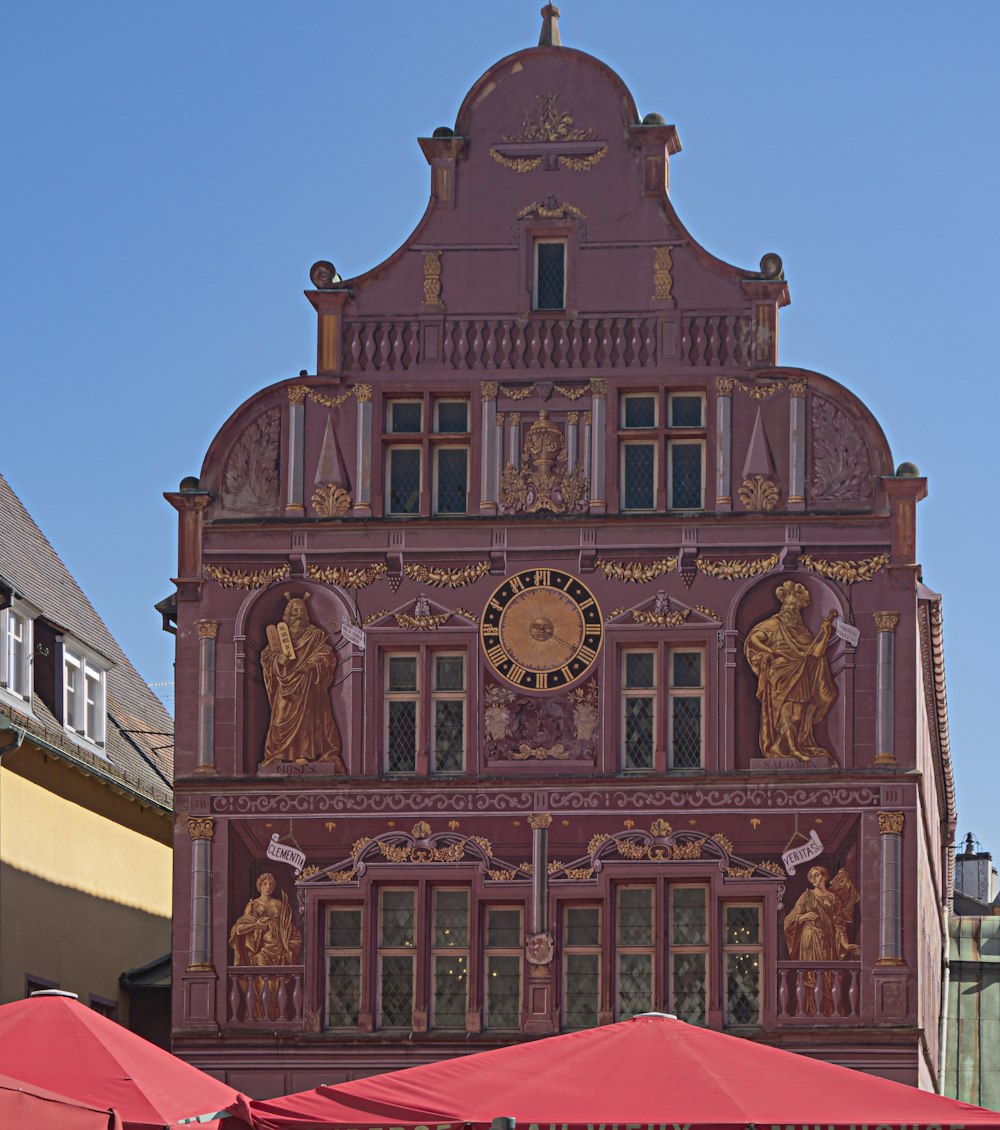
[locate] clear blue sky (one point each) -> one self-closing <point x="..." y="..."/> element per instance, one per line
<point x="173" y="169"/>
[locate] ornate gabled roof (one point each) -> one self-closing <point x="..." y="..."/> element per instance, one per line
<point x="139" y="737"/>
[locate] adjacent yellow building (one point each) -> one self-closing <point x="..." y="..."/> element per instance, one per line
<point x="86" y="761"/>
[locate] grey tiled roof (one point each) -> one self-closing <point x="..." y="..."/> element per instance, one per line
<point x="139" y="735"/>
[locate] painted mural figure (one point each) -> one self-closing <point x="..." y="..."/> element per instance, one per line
<point x="816" y="930"/>
<point x="299" y="664"/>
<point x="264" y="934"/>
<point x="794" y="683"/>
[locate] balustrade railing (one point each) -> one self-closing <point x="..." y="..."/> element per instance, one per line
<point x="266" y="995"/>
<point x="827" y="989"/>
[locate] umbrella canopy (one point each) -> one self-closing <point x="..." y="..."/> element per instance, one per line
<point x="652" y="1072"/>
<point x="24" y="1105"/>
<point x="57" y="1043"/>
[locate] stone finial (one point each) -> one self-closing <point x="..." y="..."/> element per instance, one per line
<point x="550" y="27"/>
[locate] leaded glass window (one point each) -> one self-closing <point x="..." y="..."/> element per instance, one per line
<point x="634" y="950"/>
<point x="450" y="958"/>
<point x="689" y="952"/>
<point x="448" y="706"/>
<point x="403" y="495"/>
<point x="687" y="695"/>
<point x="638" y="709"/>
<point x="502" y="967"/>
<point x="452" y="480"/>
<point x="397" y="945"/>
<point x="343" y="966"/>
<point x="686" y="474"/>
<point x="401" y="718"/>
<point x="638" y="476"/>
<point x="405" y="416"/>
<point x="452" y="416"/>
<point x="743" y="959"/>
<point x="687" y="410"/>
<point x="581" y="966"/>
<point x="550" y="274"/>
<point x="638" y="411"/>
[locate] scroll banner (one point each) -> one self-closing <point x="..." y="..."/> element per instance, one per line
<point x="846" y="632"/>
<point x="352" y="634"/>
<point x="282" y="853"/>
<point x="795" y="857"/>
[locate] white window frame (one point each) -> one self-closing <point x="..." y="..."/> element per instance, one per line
<point x="80" y="671"/>
<point x="534" y="273"/>
<point x="390" y="408"/>
<point x="16" y="670"/>
<point x="674" y="693"/>
<point x="438" y="401"/>
<point x="627" y="396"/>
<point x="681" y="395"/>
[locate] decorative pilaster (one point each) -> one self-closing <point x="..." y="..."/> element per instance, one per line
<point x="296" y="447"/>
<point x="514" y="455"/>
<point x="540" y="948"/>
<point x="885" y="688"/>
<point x="363" y="495"/>
<point x="724" y="443"/>
<point x="890" y="826"/>
<point x="598" y="450"/>
<point x="201" y="829"/>
<point x="588" y="424"/>
<point x="489" y="480"/>
<point x="572" y="444"/>
<point x="207" y="631"/>
<point x="797" y="445"/>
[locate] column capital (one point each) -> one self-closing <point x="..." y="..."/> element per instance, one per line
<point x="886" y="621"/>
<point x="362" y="393"/>
<point x="724" y="385"/>
<point x="297" y="394"/>
<point x="599" y="386"/>
<point x="206" y="629"/>
<point x="797" y="388"/>
<point x="489" y="389"/>
<point x="201" y="827"/>
<point x="891" y="823"/>
<point x="540" y="820"/>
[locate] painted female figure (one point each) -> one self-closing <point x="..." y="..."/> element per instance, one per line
<point x="265" y="934"/>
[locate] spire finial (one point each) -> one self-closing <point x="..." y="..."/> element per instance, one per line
<point x="550" y="27"/>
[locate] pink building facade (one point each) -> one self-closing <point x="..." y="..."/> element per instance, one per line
<point x="551" y="654"/>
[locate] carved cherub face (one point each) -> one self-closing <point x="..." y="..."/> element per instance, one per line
<point x="296" y="616"/>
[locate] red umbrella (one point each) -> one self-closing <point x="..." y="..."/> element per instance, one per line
<point x="59" y="1044"/>
<point x="650" y="1073"/>
<point x="24" y="1105"/>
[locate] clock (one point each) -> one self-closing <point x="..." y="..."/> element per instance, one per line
<point x="542" y="629"/>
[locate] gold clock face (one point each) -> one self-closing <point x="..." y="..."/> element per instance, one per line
<point x="542" y="629"/>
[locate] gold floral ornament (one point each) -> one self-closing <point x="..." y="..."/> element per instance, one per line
<point x="422" y="619"/>
<point x="637" y="572"/>
<point x="550" y="209"/>
<point x="663" y="279"/>
<point x="361" y="392"/>
<point x="348" y="577"/>
<point x="736" y="570"/>
<point x="584" y="164"/>
<point x="517" y="164"/>
<point x="442" y="577"/>
<point x="653" y="619"/>
<point x="244" y="579"/>
<point x="432" y="278"/>
<point x="331" y="501"/>
<point x="545" y="121"/>
<point x="847" y="571"/>
<point x="759" y="494"/>
<point x="544" y="481"/>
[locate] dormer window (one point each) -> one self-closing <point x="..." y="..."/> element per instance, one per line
<point x="83" y="696"/>
<point x="15" y="658"/>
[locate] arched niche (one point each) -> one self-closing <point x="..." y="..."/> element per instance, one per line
<point x="327" y="610"/>
<point x="760" y="603"/>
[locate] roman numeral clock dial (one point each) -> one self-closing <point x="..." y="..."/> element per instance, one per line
<point x="542" y="629"/>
